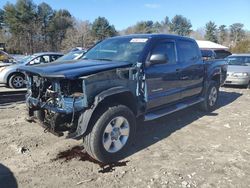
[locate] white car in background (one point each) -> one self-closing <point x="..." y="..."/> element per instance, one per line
<point x="14" y="79"/>
<point x="238" y="71"/>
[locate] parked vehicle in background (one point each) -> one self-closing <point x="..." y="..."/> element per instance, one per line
<point x="99" y="97"/>
<point x="238" y="70"/>
<point x="6" y="59"/>
<point x="14" y="79"/>
<point x="73" y="55"/>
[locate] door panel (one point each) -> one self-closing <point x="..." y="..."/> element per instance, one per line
<point x="192" y="69"/>
<point x="163" y="84"/>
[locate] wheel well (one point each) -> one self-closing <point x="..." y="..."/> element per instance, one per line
<point x="216" y="78"/>
<point x="125" y="98"/>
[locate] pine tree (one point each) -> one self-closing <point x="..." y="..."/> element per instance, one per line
<point x="180" y="25"/>
<point x="211" y="31"/>
<point x="222" y="34"/>
<point x="101" y="29"/>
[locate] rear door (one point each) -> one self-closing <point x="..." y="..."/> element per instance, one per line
<point x="192" y="70"/>
<point x="163" y="86"/>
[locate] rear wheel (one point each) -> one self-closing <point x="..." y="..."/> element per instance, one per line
<point x="111" y="135"/>
<point x="17" y="81"/>
<point x="211" y="97"/>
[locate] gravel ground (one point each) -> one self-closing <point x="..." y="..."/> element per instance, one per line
<point x="186" y="149"/>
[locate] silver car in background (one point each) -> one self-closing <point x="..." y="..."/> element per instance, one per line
<point x="238" y="71"/>
<point x="14" y="79"/>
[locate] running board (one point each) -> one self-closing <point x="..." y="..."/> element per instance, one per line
<point x="165" y="111"/>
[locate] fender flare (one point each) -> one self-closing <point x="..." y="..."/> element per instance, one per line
<point x="214" y="72"/>
<point x="210" y="75"/>
<point x="83" y="121"/>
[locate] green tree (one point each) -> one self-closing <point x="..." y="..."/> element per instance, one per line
<point x="180" y="25"/>
<point x="144" y="27"/>
<point x="61" y="21"/>
<point x="101" y="29"/>
<point x="236" y="32"/>
<point x="1" y="18"/>
<point x="222" y="34"/>
<point x="45" y="15"/>
<point x="165" y="24"/>
<point x="157" y="27"/>
<point x="21" y="20"/>
<point x="211" y="31"/>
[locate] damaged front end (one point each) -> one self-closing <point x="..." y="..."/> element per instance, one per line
<point x="56" y="103"/>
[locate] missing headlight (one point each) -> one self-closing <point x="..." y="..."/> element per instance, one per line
<point x="71" y="88"/>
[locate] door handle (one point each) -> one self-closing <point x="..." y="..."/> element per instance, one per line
<point x="178" y="70"/>
<point x="184" y="78"/>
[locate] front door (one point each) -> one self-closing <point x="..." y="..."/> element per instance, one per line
<point x="163" y="84"/>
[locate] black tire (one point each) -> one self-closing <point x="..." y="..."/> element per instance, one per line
<point x="16" y="81"/>
<point x="94" y="140"/>
<point x="209" y="104"/>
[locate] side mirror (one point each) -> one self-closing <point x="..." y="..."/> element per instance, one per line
<point x="158" y="59"/>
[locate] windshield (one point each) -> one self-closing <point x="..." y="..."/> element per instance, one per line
<point x="117" y="49"/>
<point x="72" y="56"/>
<point x="240" y="61"/>
<point x="26" y="59"/>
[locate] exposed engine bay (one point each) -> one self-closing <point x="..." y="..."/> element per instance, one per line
<point x="56" y="103"/>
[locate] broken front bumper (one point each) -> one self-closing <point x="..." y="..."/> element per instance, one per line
<point x="67" y="105"/>
<point x="64" y="114"/>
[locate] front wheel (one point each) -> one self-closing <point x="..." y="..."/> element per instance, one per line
<point x="111" y="135"/>
<point x="211" y="97"/>
<point x="16" y="81"/>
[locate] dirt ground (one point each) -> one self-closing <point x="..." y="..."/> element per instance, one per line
<point x="186" y="149"/>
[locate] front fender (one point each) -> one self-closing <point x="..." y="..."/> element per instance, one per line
<point x="6" y="73"/>
<point x="85" y="117"/>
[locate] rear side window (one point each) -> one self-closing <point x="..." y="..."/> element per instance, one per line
<point x="168" y="49"/>
<point x="188" y="51"/>
<point x="54" y="57"/>
<point x="221" y="54"/>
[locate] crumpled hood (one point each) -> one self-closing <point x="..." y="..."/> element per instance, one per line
<point x="73" y="69"/>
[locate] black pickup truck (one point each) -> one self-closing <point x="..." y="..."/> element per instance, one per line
<point x="120" y="79"/>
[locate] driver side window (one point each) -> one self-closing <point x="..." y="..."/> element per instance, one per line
<point x="168" y="49"/>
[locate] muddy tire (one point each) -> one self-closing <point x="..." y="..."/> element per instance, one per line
<point x="211" y="97"/>
<point x="17" y="81"/>
<point x="111" y="135"/>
